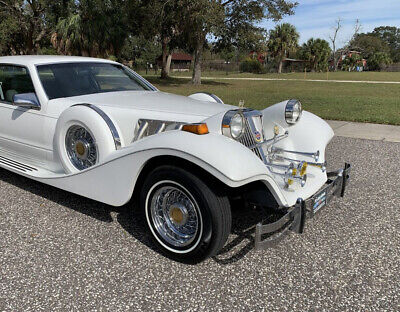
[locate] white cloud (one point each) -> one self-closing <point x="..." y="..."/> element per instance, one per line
<point x="315" y="18"/>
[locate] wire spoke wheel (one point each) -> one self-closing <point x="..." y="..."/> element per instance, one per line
<point x="174" y="213"/>
<point x="81" y="147"/>
<point x="187" y="219"/>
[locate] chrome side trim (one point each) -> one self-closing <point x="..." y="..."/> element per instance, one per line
<point x="16" y="165"/>
<point x="108" y="121"/>
<point x="140" y="78"/>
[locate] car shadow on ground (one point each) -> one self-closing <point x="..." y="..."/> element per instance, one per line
<point x="94" y="209"/>
<point x="240" y="242"/>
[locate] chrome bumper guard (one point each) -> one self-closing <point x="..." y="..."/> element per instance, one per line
<point x="295" y="217"/>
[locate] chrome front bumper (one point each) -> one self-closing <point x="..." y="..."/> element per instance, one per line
<point x="295" y="217"/>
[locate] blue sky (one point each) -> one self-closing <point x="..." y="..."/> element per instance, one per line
<point x="316" y="18"/>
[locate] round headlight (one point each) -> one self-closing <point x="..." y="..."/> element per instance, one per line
<point x="293" y="111"/>
<point x="233" y="124"/>
<point x="237" y="126"/>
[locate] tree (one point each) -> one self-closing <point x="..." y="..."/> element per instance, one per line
<point x="378" y="60"/>
<point x="391" y="36"/>
<point x="92" y="28"/>
<point x="352" y="61"/>
<point x="333" y="38"/>
<point x="317" y="53"/>
<point x="230" y="21"/>
<point x="23" y="25"/>
<point x="282" y="40"/>
<point x="141" y="50"/>
<point x="368" y="45"/>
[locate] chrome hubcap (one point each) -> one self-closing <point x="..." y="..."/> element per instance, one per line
<point x="174" y="215"/>
<point x="81" y="148"/>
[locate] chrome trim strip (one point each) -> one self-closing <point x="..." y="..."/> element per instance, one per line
<point x="108" y="121"/>
<point x="140" y="78"/>
<point x="16" y="164"/>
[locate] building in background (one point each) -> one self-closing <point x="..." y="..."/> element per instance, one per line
<point x="179" y="61"/>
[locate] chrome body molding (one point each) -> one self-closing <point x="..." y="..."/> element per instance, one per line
<point x="141" y="79"/>
<point x="16" y="164"/>
<point x="108" y="121"/>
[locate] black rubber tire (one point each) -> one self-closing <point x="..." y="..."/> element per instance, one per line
<point x="214" y="207"/>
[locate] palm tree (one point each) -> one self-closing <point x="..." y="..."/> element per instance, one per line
<point x="93" y="28"/>
<point x="317" y="53"/>
<point x="282" y="40"/>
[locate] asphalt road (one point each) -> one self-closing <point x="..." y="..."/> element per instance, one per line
<point x="61" y="252"/>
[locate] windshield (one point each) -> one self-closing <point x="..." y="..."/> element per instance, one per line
<point x="74" y="79"/>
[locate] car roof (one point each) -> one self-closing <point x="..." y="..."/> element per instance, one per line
<point x="27" y="60"/>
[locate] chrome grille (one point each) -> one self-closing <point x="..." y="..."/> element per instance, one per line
<point x="248" y="137"/>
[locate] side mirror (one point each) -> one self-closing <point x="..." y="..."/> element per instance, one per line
<point x="26" y="100"/>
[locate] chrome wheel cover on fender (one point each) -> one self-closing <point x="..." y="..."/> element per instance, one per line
<point x="81" y="147"/>
<point x="173" y="216"/>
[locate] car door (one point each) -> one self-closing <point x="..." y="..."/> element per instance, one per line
<point x="21" y="129"/>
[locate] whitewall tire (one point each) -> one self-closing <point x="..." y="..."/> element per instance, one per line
<point x="188" y="220"/>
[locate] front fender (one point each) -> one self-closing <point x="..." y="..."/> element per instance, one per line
<point x="229" y="161"/>
<point x="113" y="181"/>
<point x="310" y="134"/>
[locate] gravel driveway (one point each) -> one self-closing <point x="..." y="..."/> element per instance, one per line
<point x="61" y="252"/>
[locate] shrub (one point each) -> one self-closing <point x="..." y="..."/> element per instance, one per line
<point x="251" y="66"/>
<point x="379" y="60"/>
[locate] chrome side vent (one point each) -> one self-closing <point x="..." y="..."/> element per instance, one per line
<point x="148" y="127"/>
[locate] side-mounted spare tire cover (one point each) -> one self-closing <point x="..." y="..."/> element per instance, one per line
<point x="82" y="138"/>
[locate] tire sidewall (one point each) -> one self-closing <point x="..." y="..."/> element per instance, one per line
<point x="192" y="246"/>
<point x="190" y="186"/>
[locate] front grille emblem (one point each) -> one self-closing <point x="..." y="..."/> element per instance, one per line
<point x="257" y="136"/>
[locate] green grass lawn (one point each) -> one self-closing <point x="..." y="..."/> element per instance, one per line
<point x="376" y="103"/>
<point x="362" y="76"/>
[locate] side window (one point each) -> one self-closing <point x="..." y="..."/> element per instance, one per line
<point x="14" y="80"/>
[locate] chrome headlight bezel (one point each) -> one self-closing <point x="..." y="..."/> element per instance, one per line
<point x="227" y="128"/>
<point x="293" y="111"/>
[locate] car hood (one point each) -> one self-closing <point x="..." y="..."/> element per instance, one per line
<point x="153" y="101"/>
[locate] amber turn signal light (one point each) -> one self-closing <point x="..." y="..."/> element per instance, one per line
<point x="196" y="128"/>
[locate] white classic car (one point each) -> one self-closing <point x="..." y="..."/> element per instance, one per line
<point x="96" y="128"/>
